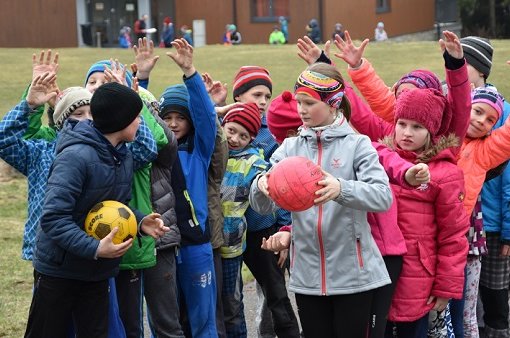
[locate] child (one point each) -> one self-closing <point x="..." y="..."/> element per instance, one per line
<point x="252" y="84"/>
<point x="333" y="293"/>
<point x="72" y="268"/>
<point x="241" y="125"/>
<point x="188" y="110"/>
<point x="380" y="33"/>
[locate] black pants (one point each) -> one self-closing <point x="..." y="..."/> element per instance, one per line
<point x="495" y="307"/>
<point x="335" y="316"/>
<point x="263" y="265"/>
<point x="57" y="301"/>
<point x="382" y="297"/>
<point x="129" y="296"/>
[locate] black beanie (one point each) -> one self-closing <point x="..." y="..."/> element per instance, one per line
<point x="114" y="107"/>
<point x="478" y="53"/>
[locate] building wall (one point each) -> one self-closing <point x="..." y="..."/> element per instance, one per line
<point x="38" y="23"/>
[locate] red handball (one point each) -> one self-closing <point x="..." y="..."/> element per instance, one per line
<point x="292" y="183"/>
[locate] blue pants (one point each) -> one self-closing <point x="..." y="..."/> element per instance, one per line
<point x="197" y="287"/>
<point x="232" y="297"/>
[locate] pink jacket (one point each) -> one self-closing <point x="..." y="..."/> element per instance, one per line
<point x="433" y="222"/>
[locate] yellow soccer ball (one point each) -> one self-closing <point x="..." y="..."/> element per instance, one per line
<point x="106" y="215"/>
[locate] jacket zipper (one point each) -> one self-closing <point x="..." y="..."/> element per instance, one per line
<point x="358" y="252"/>
<point x="319" y="225"/>
<point x="193" y="216"/>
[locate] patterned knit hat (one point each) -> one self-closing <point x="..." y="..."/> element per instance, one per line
<point x="490" y="96"/>
<point x="478" y="53"/>
<point x="282" y="116"/>
<point x="320" y="87"/>
<point x="428" y="107"/>
<point x="250" y="76"/>
<point x="175" y="99"/>
<point x="421" y="78"/>
<point x="114" y="107"/>
<point x="68" y="101"/>
<point x="247" y="115"/>
<point x="99" y="67"/>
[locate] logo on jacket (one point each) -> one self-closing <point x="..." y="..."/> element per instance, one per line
<point x="422" y="187"/>
<point x="335" y="163"/>
<point x="461" y="196"/>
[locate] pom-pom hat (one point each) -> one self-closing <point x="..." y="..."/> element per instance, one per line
<point x="421" y="78"/>
<point x="282" y="116"/>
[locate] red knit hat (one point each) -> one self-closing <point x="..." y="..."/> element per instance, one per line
<point x="247" y="115"/>
<point x="250" y="76"/>
<point x="282" y="116"/>
<point x="428" y="107"/>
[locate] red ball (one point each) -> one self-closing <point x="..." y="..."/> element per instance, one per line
<point x="292" y="183"/>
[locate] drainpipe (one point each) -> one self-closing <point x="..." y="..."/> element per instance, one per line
<point x="321" y="17"/>
<point x="234" y="12"/>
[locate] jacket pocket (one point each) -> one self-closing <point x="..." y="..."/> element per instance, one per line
<point x="427" y="259"/>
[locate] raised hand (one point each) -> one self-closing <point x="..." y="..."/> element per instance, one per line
<point x="183" y="56"/>
<point x="152" y="225"/>
<point x="117" y="72"/>
<point x="44" y="64"/>
<point x="418" y="174"/>
<point x="309" y="51"/>
<point x="348" y="51"/>
<point x="145" y="59"/>
<point x="222" y="110"/>
<point x="277" y="242"/>
<point x="217" y="90"/>
<point x="134" y="84"/>
<point x="42" y="90"/>
<point x="107" y="249"/>
<point x="451" y="44"/>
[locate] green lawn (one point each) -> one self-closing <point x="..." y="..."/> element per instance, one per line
<point x="391" y="60"/>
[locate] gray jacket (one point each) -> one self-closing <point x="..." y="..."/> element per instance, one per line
<point x="332" y="250"/>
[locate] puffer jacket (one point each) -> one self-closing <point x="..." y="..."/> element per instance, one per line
<point x="333" y="251"/>
<point x="434" y="224"/>
<point x="87" y="169"/>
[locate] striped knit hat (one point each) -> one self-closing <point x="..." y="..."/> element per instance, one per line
<point x="175" y="99"/>
<point x="250" y="76"/>
<point x="478" y="53"/>
<point x="490" y="96"/>
<point x="320" y="87"/>
<point x="68" y="101"/>
<point x="247" y="115"/>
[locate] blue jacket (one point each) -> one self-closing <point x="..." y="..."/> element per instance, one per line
<point x="496" y="196"/>
<point x="87" y="169"/>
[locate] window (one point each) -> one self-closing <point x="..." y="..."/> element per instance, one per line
<point x="382" y="6"/>
<point x="269" y="10"/>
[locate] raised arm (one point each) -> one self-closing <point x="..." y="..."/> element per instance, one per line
<point x="145" y="60"/>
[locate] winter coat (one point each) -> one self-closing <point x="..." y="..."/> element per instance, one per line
<point x="87" y="169"/>
<point x="332" y="250"/>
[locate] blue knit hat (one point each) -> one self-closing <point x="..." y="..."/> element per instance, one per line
<point x="99" y="67"/>
<point x="175" y="99"/>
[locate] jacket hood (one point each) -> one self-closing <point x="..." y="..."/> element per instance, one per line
<point x="340" y="128"/>
<point x="441" y="149"/>
<point x="84" y="133"/>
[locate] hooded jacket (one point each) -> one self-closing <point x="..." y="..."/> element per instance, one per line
<point x="332" y="250"/>
<point x="87" y="169"/>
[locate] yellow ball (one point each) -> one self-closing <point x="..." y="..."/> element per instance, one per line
<point x="106" y="215"/>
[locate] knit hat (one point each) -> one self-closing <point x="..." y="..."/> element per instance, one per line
<point x="250" y="76"/>
<point x="282" y="116"/>
<point x="478" y="53"/>
<point x="68" y="101"/>
<point x="114" y="107"/>
<point x="421" y="78"/>
<point x="320" y="87"/>
<point x="175" y="99"/>
<point x="428" y="107"/>
<point x="247" y="115"/>
<point x="99" y="67"/>
<point x="490" y="96"/>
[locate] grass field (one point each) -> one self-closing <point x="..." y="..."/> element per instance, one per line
<point x="391" y="60"/>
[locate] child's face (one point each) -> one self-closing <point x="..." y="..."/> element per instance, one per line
<point x="475" y="77"/>
<point x="95" y="81"/>
<point x="483" y="118"/>
<point x="81" y="113"/>
<point x="178" y="124"/>
<point x="260" y="95"/>
<point x="237" y="136"/>
<point x="129" y="133"/>
<point x="314" y="113"/>
<point x="410" y="135"/>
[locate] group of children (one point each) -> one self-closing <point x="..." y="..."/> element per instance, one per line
<point x="395" y="235"/>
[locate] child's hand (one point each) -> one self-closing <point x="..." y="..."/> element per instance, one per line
<point x="277" y="242"/>
<point x="221" y="111"/>
<point x="452" y="45"/>
<point x="117" y="73"/>
<point x="505" y="250"/>
<point x="152" y="225"/>
<point x="508" y="62"/>
<point x="46" y="65"/>
<point x="183" y="56"/>
<point x="145" y="59"/>
<point x="283" y="254"/>
<point x="41" y="90"/>
<point x="134" y="84"/>
<point x="262" y="184"/>
<point x="418" y="174"/>
<point x="309" y="51"/>
<point x="348" y="51"/>
<point x="107" y="249"/>
<point x="217" y="90"/>
<point x="440" y="303"/>
<point x="330" y="189"/>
